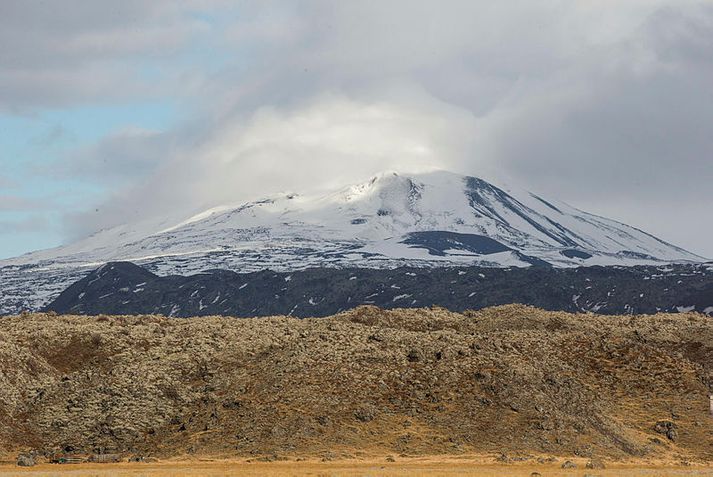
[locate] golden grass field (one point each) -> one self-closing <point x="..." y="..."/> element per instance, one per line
<point x="422" y="466"/>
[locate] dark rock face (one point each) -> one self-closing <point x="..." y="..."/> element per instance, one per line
<point x="573" y="253"/>
<point x="125" y="288"/>
<point x="437" y="242"/>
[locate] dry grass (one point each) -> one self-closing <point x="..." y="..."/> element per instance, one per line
<point x="424" y="466"/>
<point x="368" y="382"/>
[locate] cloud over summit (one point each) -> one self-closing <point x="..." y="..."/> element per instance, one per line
<point x="606" y="105"/>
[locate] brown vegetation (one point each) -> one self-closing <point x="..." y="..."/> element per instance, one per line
<point x="509" y="380"/>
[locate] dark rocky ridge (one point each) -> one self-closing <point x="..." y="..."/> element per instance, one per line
<point x="125" y="288"/>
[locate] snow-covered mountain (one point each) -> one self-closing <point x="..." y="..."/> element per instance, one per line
<point x="434" y="219"/>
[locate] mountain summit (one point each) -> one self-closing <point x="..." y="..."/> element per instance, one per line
<point x="423" y="220"/>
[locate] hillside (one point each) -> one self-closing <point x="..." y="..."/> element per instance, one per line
<point x="511" y="379"/>
<point x="125" y="288"/>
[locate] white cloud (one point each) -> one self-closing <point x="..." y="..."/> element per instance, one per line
<point x="59" y="54"/>
<point x="328" y="141"/>
<point x="16" y="202"/>
<point x="600" y="102"/>
<point x="31" y="224"/>
<point x="121" y="156"/>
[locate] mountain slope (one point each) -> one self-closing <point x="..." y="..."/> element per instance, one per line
<point x="429" y="220"/>
<point x="125" y="288"/>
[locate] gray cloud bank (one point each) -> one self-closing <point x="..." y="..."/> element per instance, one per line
<point x="606" y="105"/>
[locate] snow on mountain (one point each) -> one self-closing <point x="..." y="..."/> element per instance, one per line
<point x="432" y="219"/>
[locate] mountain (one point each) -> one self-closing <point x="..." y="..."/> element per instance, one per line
<point x="426" y="220"/>
<point x="125" y="288"/>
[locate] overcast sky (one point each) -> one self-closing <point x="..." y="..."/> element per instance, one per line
<point x="113" y="111"/>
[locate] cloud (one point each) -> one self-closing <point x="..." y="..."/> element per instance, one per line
<point x="18" y="203"/>
<point x="327" y="141"/>
<point x="604" y="104"/>
<point x="124" y="155"/>
<point x="627" y="132"/>
<point x="51" y="136"/>
<point x="7" y="183"/>
<point x="31" y="224"/>
<point x="23" y="91"/>
<point x="79" y="51"/>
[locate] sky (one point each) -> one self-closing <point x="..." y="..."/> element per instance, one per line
<point x="112" y="112"/>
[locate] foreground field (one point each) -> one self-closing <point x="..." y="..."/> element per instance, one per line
<point x="512" y="381"/>
<point x="425" y="467"/>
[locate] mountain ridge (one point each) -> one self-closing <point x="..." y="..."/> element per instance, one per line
<point x="126" y="288"/>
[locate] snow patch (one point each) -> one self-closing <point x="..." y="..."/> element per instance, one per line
<point x="401" y="297"/>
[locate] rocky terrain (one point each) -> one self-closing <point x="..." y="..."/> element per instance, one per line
<point x="510" y="380"/>
<point x="125" y="288"/>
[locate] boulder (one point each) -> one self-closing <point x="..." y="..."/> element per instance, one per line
<point x="25" y="460"/>
<point x="667" y="428"/>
